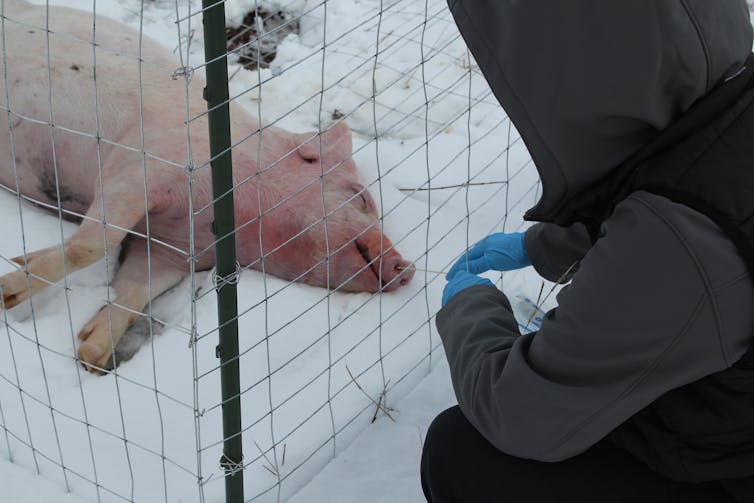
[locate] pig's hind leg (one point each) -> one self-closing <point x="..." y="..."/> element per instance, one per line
<point x="132" y="285"/>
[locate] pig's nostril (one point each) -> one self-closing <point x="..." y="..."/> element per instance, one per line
<point x="406" y="271"/>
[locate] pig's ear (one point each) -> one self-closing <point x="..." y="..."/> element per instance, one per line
<point x="338" y="140"/>
<point x="308" y="146"/>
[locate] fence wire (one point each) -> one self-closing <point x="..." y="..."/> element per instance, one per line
<point x="109" y="99"/>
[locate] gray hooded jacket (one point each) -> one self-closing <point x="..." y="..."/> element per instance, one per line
<point x="663" y="298"/>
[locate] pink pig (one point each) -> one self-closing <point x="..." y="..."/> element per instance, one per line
<point x="92" y="164"/>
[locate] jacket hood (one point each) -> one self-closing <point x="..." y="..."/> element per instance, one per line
<point x="589" y="82"/>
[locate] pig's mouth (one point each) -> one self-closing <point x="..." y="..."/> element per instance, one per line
<point x="364" y="252"/>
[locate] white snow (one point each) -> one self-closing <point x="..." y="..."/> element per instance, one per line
<point x="80" y="421"/>
<point x="382" y="464"/>
<point x="20" y="484"/>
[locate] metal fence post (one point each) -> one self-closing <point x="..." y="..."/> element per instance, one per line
<point x="217" y="96"/>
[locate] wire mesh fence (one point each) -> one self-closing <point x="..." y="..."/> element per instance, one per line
<point x="366" y="148"/>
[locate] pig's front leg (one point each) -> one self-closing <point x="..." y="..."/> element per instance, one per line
<point x="132" y="293"/>
<point x="113" y="213"/>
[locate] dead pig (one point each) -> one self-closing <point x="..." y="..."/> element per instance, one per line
<point x="116" y="157"/>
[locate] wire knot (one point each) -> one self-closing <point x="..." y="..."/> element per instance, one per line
<point x="183" y="71"/>
<point x="230" y="279"/>
<point x="231" y="467"/>
<point x="194" y="337"/>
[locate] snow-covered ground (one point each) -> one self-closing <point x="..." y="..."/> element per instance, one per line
<point x="149" y="431"/>
<point x="382" y="465"/>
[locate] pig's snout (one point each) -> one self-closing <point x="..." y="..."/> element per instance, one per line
<point x="387" y="268"/>
<point x="396" y="271"/>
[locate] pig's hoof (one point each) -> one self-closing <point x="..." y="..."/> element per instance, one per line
<point x="13" y="286"/>
<point x="93" y="358"/>
<point x="19" y="285"/>
<point x="89" y="328"/>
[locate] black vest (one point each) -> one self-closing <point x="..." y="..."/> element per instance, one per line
<point x="703" y="431"/>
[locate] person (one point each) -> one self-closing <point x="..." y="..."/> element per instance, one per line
<point x="639" y="386"/>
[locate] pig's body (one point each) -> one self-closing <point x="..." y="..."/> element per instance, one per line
<point x="111" y="180"/>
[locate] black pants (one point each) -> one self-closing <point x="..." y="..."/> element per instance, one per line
<point x="460" y="466"/>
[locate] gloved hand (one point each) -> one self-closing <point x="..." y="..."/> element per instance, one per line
<point x="461" y="281"/>
<point x="496" y="252"/>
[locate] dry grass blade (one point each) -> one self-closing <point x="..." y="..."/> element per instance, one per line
<point x="423" y="270"/>
<point x="456" y="186"/>
<point x="271" y="468"/>
<point x="377" y="404"/>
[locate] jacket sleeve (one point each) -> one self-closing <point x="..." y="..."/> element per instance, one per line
<point x="555" y="251"/>
<point x="655" y="305"/>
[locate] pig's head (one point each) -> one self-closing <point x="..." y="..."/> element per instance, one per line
<point x="323" y="230"/>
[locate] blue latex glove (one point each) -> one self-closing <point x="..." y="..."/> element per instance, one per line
<point x="496" y="252"/>
<point x="461" y="281"/>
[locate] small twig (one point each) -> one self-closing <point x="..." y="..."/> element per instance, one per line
<point x="377" y="409"/>
<point x="235" y="72"/>
<point x="422" y="270"/>
<point x="541" y="290"/>
<point x="379" y="405"/>
<point x="443" y="187"/>
<point x="272" y="469"/>
<point x="558" y="282"/>
<point x="189" y="38"/>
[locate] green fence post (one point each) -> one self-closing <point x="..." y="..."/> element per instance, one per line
<point x="217" y="96"/>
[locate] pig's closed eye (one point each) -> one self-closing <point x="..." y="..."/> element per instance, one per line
<point x="308" y="153"/>
<point x="363" y="199"/>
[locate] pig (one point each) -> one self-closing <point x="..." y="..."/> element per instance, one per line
<point x="92" y="165"/>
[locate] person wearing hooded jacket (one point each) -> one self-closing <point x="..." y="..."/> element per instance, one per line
<point x="639" y="386"/>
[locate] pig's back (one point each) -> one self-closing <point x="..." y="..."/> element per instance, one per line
<point x="69" y="103"/>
